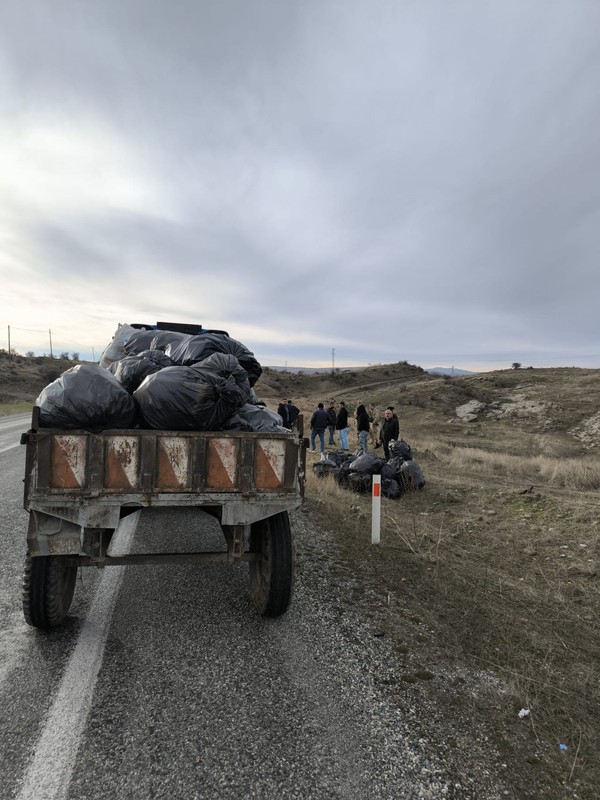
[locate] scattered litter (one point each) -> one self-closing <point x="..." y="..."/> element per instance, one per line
<point x="563" y="746"/>
<point x="524" y="712"/>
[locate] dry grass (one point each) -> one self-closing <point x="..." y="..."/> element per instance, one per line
<point x="14" y="408"/>
<point x="23" y="378"/>
<point x="500" y="554"/>
<point x="508" y="581"/>
<point x="581" y="473"/>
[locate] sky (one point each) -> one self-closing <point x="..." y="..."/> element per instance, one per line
<point x="331" y="181"/>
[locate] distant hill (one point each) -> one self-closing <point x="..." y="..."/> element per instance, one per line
<point x="303" y="370"/>
<point x="449" y="371"/>
<point x="22" y="378"/>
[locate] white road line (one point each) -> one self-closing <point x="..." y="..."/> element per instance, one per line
<point x="49" y="773"/>
<point x="10" y="447"/>
<point x="12" y="644"/>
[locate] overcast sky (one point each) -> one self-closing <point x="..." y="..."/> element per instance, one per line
<point x="394" y="179"/>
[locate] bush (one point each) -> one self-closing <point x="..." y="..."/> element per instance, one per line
<point x="50" y="374"/>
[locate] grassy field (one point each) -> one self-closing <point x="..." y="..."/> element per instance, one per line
<point x="497" y="557"/>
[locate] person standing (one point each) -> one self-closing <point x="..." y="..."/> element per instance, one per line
<point x="293" y="412"/>
<point x="373" y="424"/>
<point x="341" y="425"/>
<point x="318" y="426"/>
<point x="362" y="427"/>
<point x="390" y="431"/>
<point x="332" y="422"/>
<point x="283" y="411"/>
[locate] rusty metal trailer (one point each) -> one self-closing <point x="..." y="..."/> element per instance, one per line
<point x="80" y="486"/>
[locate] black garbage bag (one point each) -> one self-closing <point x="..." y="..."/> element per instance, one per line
<point x="401" y="449"/>
<point x="390" y="488"/>
<point x="196" y="348"/>
<point x="86" y="396"/>
<point x="131" y="370"/>
<point x="359" y="482"/>
<point x="162" y="339"/>
<point x="255" y="417"/>
<point x="140" y="340"/>
<point x="338" y="456"/>
<point x="368" y="462"/>
<point x="411" y="475"/>
<point x="202" y="397"/>
<point x="341" y="476"/>
<point x="326" y="467"/>
<point x="389" y="471"/>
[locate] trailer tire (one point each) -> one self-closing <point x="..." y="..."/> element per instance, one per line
<point x="272" y="577"/>
<point x="48" y="588"/>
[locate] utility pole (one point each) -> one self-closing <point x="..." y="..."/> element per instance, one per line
<point x="9" y="342"/>
<point x="93" y="356"/>
<point x="333" y="360"/>
<point x="50" y="333"/>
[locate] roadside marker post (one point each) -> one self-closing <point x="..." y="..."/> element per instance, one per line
<point x="376" y="510"/>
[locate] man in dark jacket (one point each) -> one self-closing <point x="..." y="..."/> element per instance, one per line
<point x="318" y="425"/>
<point x="331" y="424"/>
<point x="341" y="425"/>
<point x="390" y="431"/>
<point x="283" y="411"/>
<point x="362" y="426"/>
<point x="293" y="412"/>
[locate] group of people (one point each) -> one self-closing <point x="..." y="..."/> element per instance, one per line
<point x="368" y="427"/>
<point x="288" y="412"/>
<point x="333" y="420"/>
<point x="330" y="420"/>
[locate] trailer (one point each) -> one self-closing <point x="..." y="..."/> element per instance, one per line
<point x="81" y="485"/>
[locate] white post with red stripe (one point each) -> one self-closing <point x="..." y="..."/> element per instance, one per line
<point x="376" y="510"/>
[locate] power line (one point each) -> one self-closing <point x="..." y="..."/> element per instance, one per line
<point x="55" y="333"/>
<point x="29" y="330"/>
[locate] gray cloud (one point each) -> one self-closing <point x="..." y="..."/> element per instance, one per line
<point x="398" y="180"/>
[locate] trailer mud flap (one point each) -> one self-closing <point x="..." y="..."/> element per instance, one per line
<point x="50" y="536"/>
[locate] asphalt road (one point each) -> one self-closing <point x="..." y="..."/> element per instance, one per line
<point x="165" y="683"/>
<point x="11" y="429"/>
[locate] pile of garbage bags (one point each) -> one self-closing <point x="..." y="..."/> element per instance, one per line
<point x="183" y="349"/>
<point x="165" y="380"/>
<point x="355" y="472"/>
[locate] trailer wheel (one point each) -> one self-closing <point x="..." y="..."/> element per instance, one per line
<point x="48" y="588"/>
<point x="272" y="578"/>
